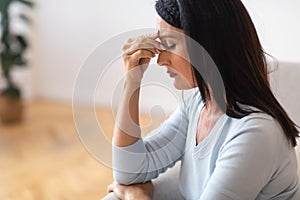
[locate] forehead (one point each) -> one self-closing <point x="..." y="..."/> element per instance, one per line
<point x="166" y="29"/>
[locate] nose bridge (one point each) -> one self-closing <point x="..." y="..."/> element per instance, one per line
<point x="163" y="59"/>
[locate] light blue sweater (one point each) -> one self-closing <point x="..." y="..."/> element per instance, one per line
<point x="242" y="159"/>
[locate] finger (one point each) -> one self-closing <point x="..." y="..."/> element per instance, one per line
<point x="146" y="43"/>
<point x="153" y="50"/>
<point x="155" y="44"/>
<point x="150" y="43"/>
<point x="142" y="54"/>
<point x="151" y="35"/>
<point x="130" y="40"/>
<point x="110" y="188"/>
<point x="143" y="46"/>
<point x="133" y="51"/>
<point x="140" y="58"/>
<point x="119" y="193"/>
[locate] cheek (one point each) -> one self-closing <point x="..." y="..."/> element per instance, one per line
<point x="186" y="72"/>
<point x="181" y="54"/>
<point x="183" y="67"/>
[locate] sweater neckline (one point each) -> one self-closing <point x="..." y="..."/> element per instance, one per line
<point x="203" y="148"/>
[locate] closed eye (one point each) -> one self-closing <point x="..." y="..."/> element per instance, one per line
<point x="169" y="46"/>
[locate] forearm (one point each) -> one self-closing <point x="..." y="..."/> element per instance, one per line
<point x="138" y="195"/>
<point x="127" y="127"/>
<point x="132" y="192"/>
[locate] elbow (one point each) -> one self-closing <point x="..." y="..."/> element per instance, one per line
<point x="126" y="178"/>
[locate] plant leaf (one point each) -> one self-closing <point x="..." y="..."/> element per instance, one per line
<point x="4" y="5"/>
<point x="25" y="18"/>
<point x="19" y="60"/>
<point x="27" y="3"/>
<point x="22" y="41"/>
<point x="12" y="91"/>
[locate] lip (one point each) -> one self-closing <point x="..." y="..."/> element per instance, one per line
<point x="172" y="74"/>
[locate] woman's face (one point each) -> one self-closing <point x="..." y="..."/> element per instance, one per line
<point x="175" y="57"/>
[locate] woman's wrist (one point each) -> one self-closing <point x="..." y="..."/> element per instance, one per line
<point x="142" y="191"/>
<point x="134" y="193"/>
<point x="131" y="86"/>
<point x="133" y="82"/>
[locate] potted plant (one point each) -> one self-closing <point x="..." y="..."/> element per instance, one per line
<point x="12" y="48"/>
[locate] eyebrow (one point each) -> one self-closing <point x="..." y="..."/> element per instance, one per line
<point x="167" y="36"/>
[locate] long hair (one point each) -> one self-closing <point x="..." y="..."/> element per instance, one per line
<point x="225" y="30"/>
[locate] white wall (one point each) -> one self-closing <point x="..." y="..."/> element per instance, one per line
<point x="277" y="23"/>
<point x="66" y="31"/>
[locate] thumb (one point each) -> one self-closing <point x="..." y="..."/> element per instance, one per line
<point x="110" y="188"/>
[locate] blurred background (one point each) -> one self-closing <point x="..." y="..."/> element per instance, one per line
<point x="41" y="156"/>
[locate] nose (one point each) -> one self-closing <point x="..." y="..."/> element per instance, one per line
<point x="163" y="59"/>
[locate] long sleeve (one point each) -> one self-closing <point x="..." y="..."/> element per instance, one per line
<point x="247" y="163"/>
<point x="148" y="157"/>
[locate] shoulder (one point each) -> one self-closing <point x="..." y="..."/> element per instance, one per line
<point x="257" y="123"/>
<point x="258" y="130"/>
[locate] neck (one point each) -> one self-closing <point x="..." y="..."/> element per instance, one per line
<point x="211" y="107"/>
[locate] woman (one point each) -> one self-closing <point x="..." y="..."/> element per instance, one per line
<point x="234" y="141"/>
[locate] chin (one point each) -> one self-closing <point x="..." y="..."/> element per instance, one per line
<point x="182" y="86"/>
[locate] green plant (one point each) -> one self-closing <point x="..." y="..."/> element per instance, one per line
<point x="12" y="46"/>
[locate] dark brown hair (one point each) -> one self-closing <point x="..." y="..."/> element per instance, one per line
<point x="225" y="30"/>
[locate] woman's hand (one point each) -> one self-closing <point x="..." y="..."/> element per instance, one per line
<point x="132" y="192"/>
<point x="137" y="54"/>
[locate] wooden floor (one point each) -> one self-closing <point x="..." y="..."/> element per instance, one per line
<point x="42" y="158"/>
